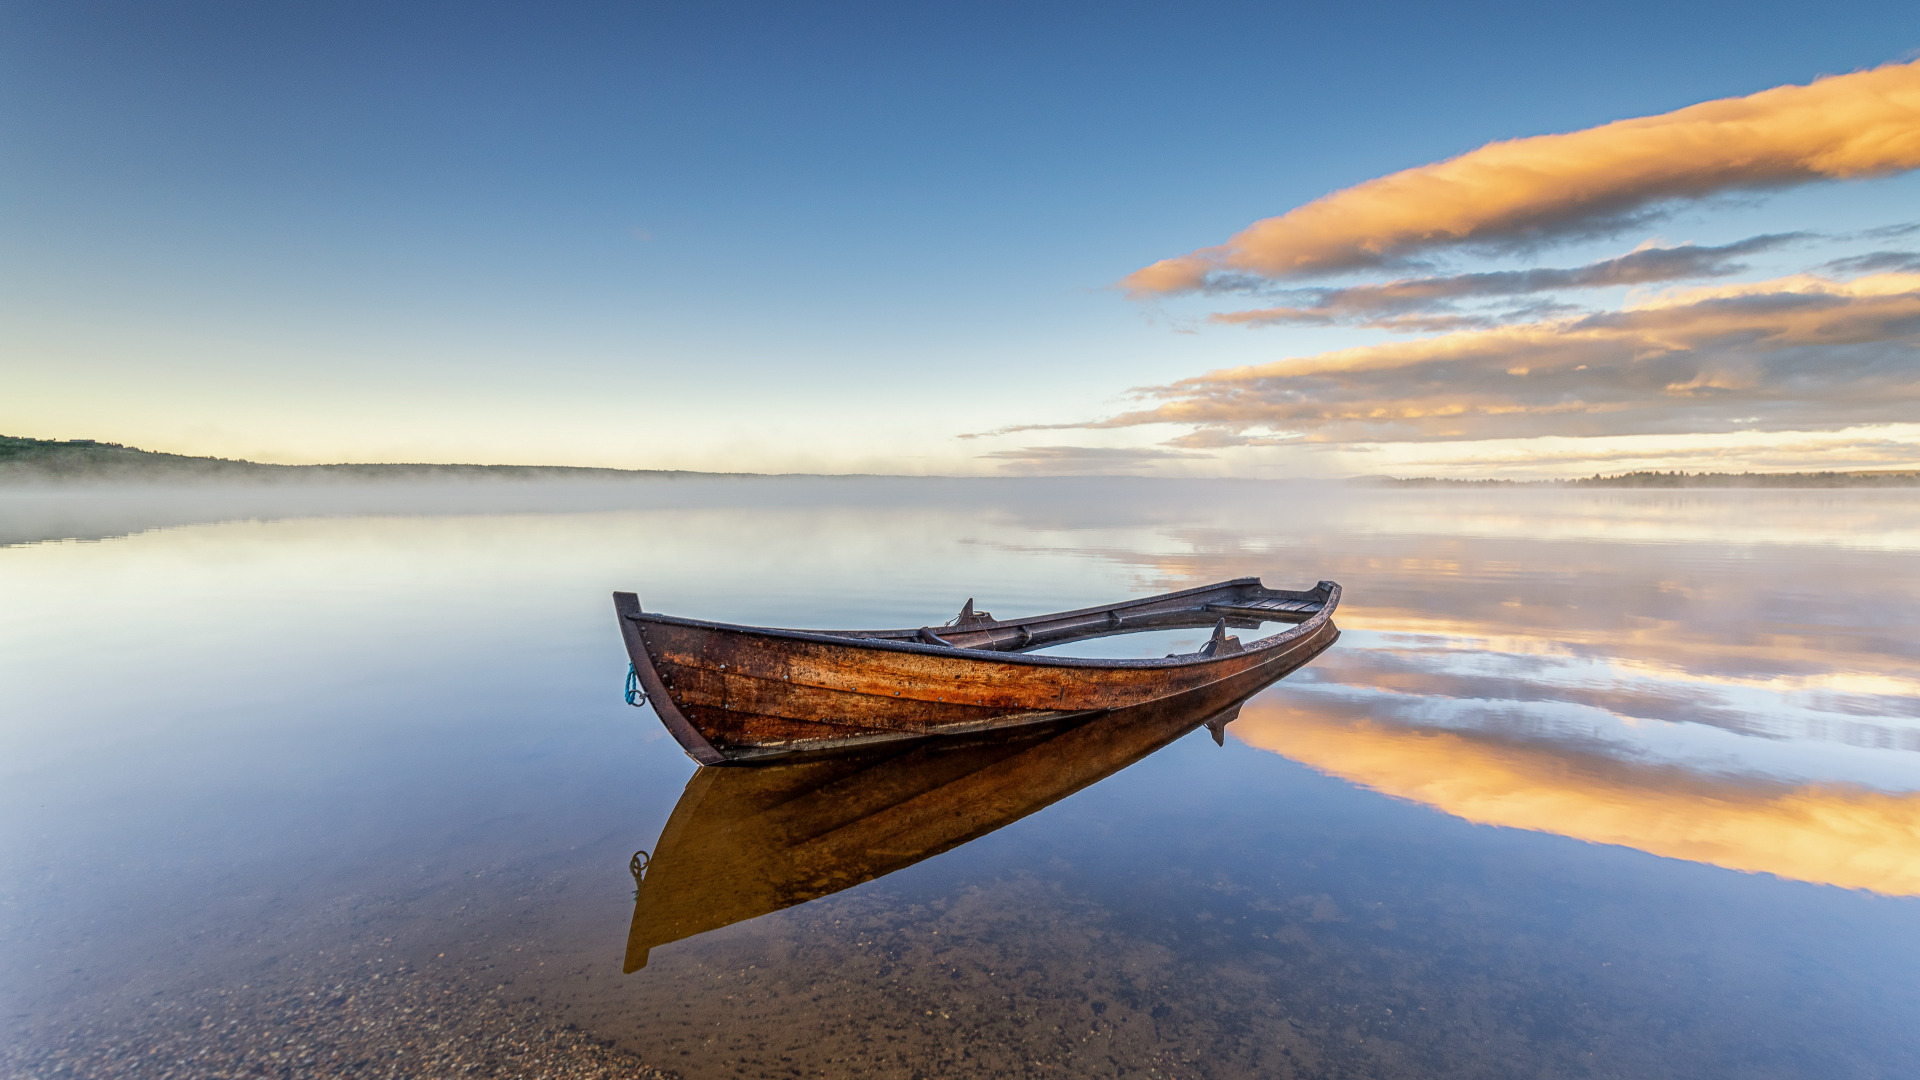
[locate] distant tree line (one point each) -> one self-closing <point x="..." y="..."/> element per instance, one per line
<point x="55" y="461"/>
<point x="1652" y="479"/>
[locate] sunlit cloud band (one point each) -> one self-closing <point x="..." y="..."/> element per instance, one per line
<point x="1586" y="182"/>
<point x="1798" y="352"/>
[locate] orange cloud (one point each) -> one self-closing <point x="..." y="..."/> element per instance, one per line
<point x="1832" y="835"/>
<point x="1857" y="125"/>
<point x="1797" y="352"/>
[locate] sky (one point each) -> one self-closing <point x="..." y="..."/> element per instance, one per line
<point x="1244" y="240"/>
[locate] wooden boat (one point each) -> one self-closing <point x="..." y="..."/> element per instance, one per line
<point x="738" y="694"/>
<point x="745" y="842"/>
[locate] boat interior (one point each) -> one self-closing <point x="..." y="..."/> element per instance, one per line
<point x="1242" y="603"/>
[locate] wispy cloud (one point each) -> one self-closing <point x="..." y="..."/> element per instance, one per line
<point x="1588" y="182"/>
<point x="1798" y="352"/>
<point x="1877" y="262"/>
<point x="1431" y="302"/>
<point x="1080" y="460"/>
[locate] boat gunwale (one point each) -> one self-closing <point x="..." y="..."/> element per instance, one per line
<point x="996" y="624"/>
<point x="850" y="639"/>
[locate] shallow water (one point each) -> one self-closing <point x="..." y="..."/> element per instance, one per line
<point x="1594" y="784"/>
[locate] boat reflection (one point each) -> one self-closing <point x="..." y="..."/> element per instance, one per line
<point x="743" y="842"/>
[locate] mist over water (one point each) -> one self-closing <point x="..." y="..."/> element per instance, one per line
<point x="1596" y="783"/>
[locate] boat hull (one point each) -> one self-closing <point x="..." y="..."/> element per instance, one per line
<point x="737" y="694"/>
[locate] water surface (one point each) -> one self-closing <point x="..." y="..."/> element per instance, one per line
<point x="1594" y="784"/>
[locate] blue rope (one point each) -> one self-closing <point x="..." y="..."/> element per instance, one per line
<point x="636" y="697"/>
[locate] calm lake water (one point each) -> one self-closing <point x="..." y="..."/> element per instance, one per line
<point x="1595" y="784"/>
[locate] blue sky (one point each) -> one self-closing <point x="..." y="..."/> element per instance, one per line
<point x="769" y="238"/>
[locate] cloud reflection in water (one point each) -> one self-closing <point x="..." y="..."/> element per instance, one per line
<point x="1829" y="834"/>
<point x="1726" y="679"/>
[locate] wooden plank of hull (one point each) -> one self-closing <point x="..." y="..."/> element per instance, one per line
<point x="733" y="693"/>
<point x="742" y="843"/>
